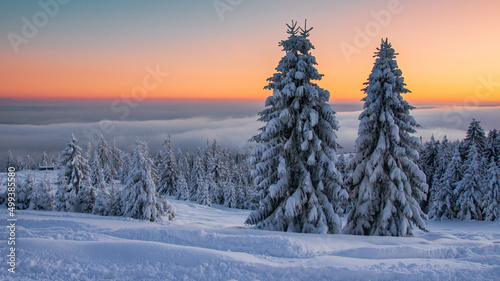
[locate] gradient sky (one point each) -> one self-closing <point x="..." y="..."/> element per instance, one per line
<point x="100" y="49"/>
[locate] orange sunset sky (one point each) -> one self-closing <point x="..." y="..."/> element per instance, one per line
<point x="96" y="50"/>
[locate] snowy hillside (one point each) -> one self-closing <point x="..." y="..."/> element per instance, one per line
<point x="212" y="243"/>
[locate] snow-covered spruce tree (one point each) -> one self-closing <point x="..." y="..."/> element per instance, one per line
<point x="491" y="201"/>
<point x="45" y="160"/>
<point x="475" y="135"/>
<point x="117" y="160"/>
<point x="469" y="191"/>
<point x="182" y="188"/>
<point x="141" y="200"/>
<point x="300" y="186"/>
<point x="443" y="158"/>
<point x="25" y="192"/>
<point x="73" y="177"/>
<point x="443" y="199"/>
<point x="96" y="173"/>
<point x="43" y="198"/>
<point x="386" y="183"/>
<point x="105" y="160"/>
<point x="196" y="170"/>
<point x="167" y="168"/>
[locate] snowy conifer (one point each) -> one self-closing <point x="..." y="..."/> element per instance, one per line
<point x="443" y="199"/>
<point x="196" y="171"/>
<point x="117" y="160"/>
<point x="105" y="160"/>
<point x="86" y="197"/>
<point x="491" y="201"/>
<point x="141" y="200"/>
<point x="25" y="192"/>
<point x="43" y="198"/>
<point x="168" y="169"/>
<point x="475" y="135"/>
<point x="386" y="183"/>
<point x="182" y="188"/>
<point x="469" y="190"/>
<point x="45" y="160"/>
<point x="73" y="177"/>
<point x="300" y="186"/>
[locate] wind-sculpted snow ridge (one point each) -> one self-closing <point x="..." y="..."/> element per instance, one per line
<point x="212" y="243"/>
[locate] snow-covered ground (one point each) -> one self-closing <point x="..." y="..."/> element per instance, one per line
<point x="206" y="243"/>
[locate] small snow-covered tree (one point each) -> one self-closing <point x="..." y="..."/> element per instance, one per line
<point x="73" y="177"/>
<point x="295" y="156"/>
<point x="386" y="183"/>
<point x="168" y="169"/>
<point x="491" y="201"/>
<point x="29" y="163"/>
<point x="141" y="200"/>
<point x="469" y="191"/>
<point x="43" y="198"/>
<point x="444" y="198"/>
<point x="182" y="188"/>
<point x="25" y="192"/>
<point x="45" y="160"/>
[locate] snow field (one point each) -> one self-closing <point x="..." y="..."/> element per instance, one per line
<point x="206" y="243"/>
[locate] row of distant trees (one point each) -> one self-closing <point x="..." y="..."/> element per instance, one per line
<point x="87" y="180"/>
<point x="463" y="177"/>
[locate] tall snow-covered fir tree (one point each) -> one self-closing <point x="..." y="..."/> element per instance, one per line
<point x="386" y="183"/>
<point x="167" y="168"/>
<point x="443" y="199"/>
<point x="295" y="156"/>
<point x="73" y="177"/>
<point x="140" y="199"/>
<point x="469" y="191"/>
<point x="491" y="201"/>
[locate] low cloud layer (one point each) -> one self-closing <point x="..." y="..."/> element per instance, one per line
<point x="230" y="131"/>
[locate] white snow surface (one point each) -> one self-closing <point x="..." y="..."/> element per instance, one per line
<point x="212" y="243"/>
